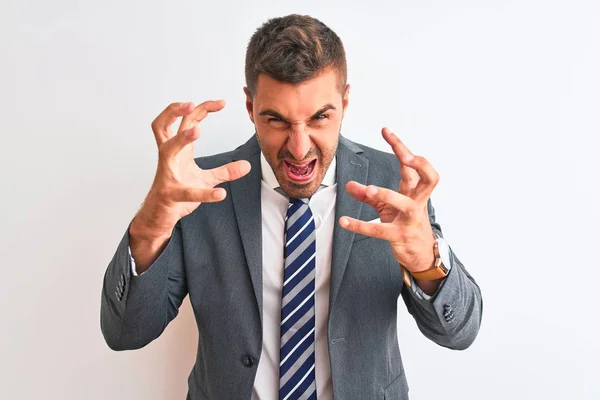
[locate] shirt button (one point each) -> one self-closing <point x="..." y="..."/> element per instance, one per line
<point x="248" y="361"/>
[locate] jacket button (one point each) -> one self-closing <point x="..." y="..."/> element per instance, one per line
<point x="248" y="361"/>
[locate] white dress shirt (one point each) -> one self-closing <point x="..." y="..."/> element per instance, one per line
<point x="274" y="207"/>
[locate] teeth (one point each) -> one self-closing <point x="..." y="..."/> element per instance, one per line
<point x="300" y="170"/>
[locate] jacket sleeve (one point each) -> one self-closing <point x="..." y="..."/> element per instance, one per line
<point x="135" y="310"/>
<point x="452" y="316"/>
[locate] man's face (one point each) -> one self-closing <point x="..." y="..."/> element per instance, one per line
<point x="298" y="128"/>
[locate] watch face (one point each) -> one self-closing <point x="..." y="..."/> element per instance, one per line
<point x="444" y="250"/>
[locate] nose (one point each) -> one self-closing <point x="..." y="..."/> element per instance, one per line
<point x="299" y="143"/>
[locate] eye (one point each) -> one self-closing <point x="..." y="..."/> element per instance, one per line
<point x="322" y="116"/>
<point x="277" y="123"/>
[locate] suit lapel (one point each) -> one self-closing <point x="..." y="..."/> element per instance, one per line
<point x="245" y="193"/>
<point x="350" y="167"/>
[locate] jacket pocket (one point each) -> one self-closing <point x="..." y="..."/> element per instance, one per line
<point x="397" y="390"/>
<point x="198" y="395"/>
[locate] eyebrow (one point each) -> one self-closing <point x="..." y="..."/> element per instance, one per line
<point x="274" y="113"/>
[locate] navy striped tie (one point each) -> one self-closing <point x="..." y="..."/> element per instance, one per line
<point x="297" y="361"/>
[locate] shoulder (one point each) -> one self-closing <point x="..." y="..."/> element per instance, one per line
<point x="380" y="162"/>
<point x="215" y="160"/>
<point x="242" y="152"/>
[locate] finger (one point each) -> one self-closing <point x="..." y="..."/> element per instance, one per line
<point x="374" y="195"/>
<point x="400" y="150"/>
<point x="409" y="180"/>
<point x="161" y="126"/>
<point x="358" y="191"/>
<point x="199" y="113"/>
<point x="405" y="205"/>
<point x="408" y="177"/>
<point x="429" y="179"/>
<point x="174" y="145"/>
<point x="229" y="172"/>
<point x="198" y="195"/>
<point x="375" y="230"/>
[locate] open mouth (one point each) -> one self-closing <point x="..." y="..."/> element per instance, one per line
<point x="300" y="172"/>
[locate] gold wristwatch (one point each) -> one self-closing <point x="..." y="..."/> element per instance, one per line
<point x="441" y="264"/>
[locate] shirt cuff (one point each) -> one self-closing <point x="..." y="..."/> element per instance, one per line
<point x="132" y="263"/>
<point x="417" y="291"/>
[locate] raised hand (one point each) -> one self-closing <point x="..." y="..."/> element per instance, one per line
<point x="403" y="213"/>
<point x="179" y="186"/>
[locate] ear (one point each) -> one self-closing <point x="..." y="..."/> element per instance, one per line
<point x="249" y="104"/>
<point x="346" y="98"/>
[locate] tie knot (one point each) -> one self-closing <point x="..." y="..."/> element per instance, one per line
<point x="296" y="201"/>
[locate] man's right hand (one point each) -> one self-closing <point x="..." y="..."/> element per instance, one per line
<point x="179" y="186"/>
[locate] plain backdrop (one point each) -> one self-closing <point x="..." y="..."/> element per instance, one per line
<point x="502" y="97"/>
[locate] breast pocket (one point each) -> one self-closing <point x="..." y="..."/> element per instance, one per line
<point x="358" y="237"/>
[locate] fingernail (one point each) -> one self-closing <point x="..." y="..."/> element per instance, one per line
<point x="345" y="222"/>
<point x="409" y="157"/>
<point x="371" y="191"/>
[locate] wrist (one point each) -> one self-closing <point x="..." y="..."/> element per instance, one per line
<point x="424" y="258"/>
<point x="437" y="270"/>
<point x="146" y="242"/>
<point x="426" y="262"/>
<point x="151" y="223"/>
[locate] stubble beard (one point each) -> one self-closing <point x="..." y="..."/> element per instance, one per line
<point x="301" y="190"/>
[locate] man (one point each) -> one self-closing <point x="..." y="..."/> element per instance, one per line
<point x="294" y="247"/>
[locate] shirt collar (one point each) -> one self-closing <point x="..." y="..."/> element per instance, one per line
<point x="268" y="176"/>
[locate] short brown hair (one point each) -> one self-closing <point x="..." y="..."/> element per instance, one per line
<point x="293" y="49"/>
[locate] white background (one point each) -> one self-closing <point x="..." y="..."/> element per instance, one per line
<point x="501" y="96"/>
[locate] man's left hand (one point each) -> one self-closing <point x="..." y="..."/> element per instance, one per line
<point x="403" y="214"/>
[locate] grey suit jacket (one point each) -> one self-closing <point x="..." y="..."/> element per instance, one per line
<point x="214" y="255"/>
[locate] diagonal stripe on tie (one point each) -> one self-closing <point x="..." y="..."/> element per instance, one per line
<point x="301" y="380"/>
<point x="293" y="271"/>
<point x="296" y="315"/>
<point x="297" y="339"/>
<point x="290" y="372"/>
<point x="296" y="283"/>
<point x="299" y="238"/>
<point x="298" y="258"/>
<point x="303" y="297"/>
<point x="297" y="353"/>
<point x="300" y="224"/>
<point x="298" y="277"/>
